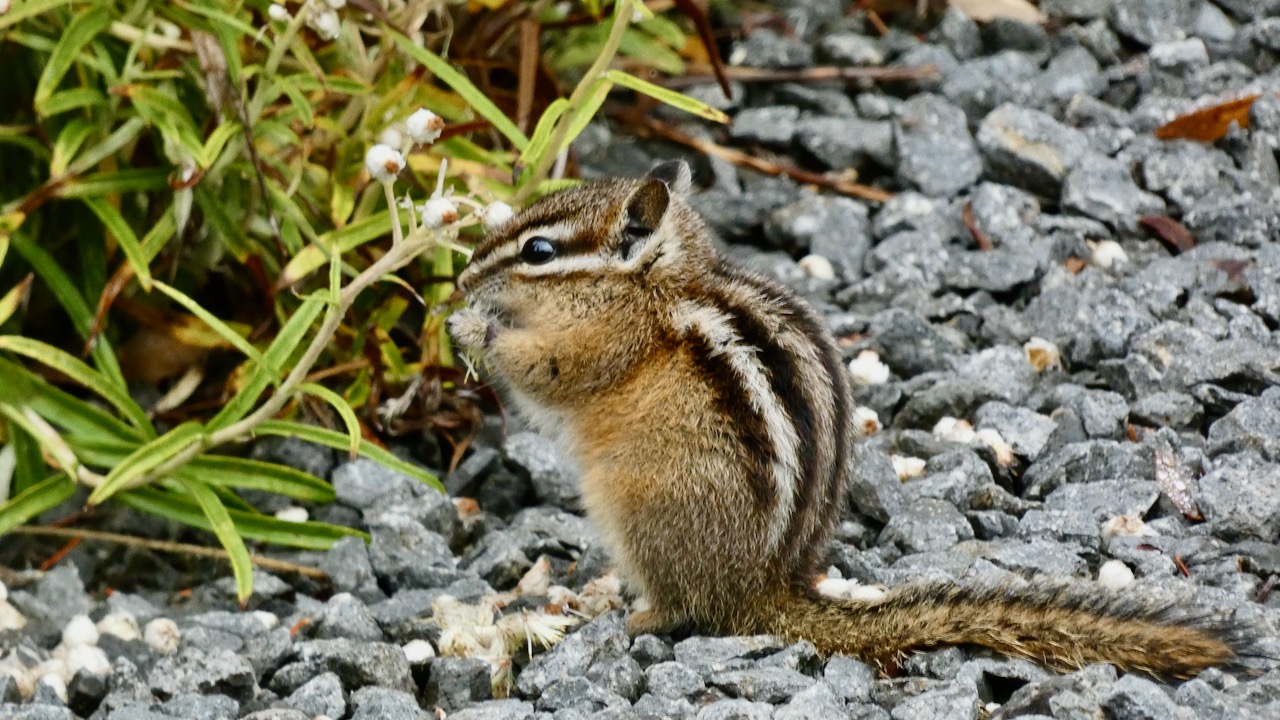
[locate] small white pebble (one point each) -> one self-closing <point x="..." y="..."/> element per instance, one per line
<point x="1042" y="354"/>
<point x="907" y="467"/>
<point x="56" y="683"/>
<point x="326" y="23"/>
<point x="424" y="126"/>
<point x="121" y="624"/>
<point x="278" y="12"/>
<point x="87" y="657"/>
<point x="162" y="635"/>
<point x="294" y="514"/>
<point x="439" y="211"/>
<point x="955" y="430"/>
<point x="269" y="620"/>
<point x="866" y="420"/>
<point x="1108" y="254"/>
<point x="866" y="369"/>
<point x="10" y="617"/>
<point x="992" y="439"/>
<point x="1126" y="526"/>
<point x="383" y="162"/>
<point x="418" y="651"/>
<point x="1115" y="575"/>
<point x="80" y="631"/>
<point x="496" y="214"/>
<point x="817" y="267"/>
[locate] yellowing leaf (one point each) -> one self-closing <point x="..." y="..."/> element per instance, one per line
<point x="987" y="10"/>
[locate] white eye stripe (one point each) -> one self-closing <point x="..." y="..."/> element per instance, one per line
<point x="564" y="265"/>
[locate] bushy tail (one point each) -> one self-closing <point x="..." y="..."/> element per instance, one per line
<point x="1064" y="626"/>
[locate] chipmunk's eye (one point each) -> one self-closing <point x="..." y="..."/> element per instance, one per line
<point x="537" y="250"/>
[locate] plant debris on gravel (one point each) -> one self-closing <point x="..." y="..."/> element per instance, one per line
<point x="1061" y="388"/>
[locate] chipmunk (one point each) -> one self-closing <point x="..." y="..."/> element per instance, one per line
<point x="709" y="412"/>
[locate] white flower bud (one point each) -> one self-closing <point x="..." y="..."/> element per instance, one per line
<point x="866" y="420"/>
<point x="383" y="162"/>
<point x="496" y="214"/>
<point x="55" y="681"/>
<point x="1042" y="354"/>
<point x="337" y="4"/>
<point x="4" y="590"/>
<point x="424" y="126"/>
<point x="326" y="23"/>
<point x="279" y="13"/>
<point x="121" y="624"/>
<point x="907" y="467"/>
<point x="955" y="430"/>
<point x="1115" y="575"/>
<point x="90" y="658"/>
<point x="392" y="135"/>
<point x="80" y="631"/>
<point x="992" y="439"/>
<point x="439" y="211"/>
<point x="10" y="617"/>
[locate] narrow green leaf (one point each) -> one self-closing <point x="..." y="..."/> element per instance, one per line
<point x="51" y="272"/>
<point x="4" y="247"/>
<point x="73" y="135"/>
<point x="216" y="141"/>
<point x="250" y="474"/>
<point x="44" y="495"/>
<point x="22" y="387"/>
<point x="29" y="468"/>
<point x="91" y="379"/>
<point x="313" y="256"/>
<point x="461" y="85"/>
<point x="299" y="102"/>
<point x="31" y="8"/>
<point x="223" y="330"/>
<point x="541" y="140"/>
<point x="307" y="535"/>
<point x="582" y="116"/>
<point x="129" y="245"/>
<point x="118" y="138"/>
<point x="268" y="372"/>
<point x="146" y="458"/>
<point x="115" y="181"/>
<point x="343" y="409"/>
<point x="9" y="301"/>
<point x="642" y="47"/>
<point x="73" y="99"/>
<point x="83" y="28"/>
<point x="338" y="441"/>
<point x="222" y="526"/>
<point x="666" y="95"/>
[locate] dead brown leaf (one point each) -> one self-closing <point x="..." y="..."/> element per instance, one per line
<point x="1208" y="124"/>
<point x="1173" y="233"/>
<point x="980" y="238"/>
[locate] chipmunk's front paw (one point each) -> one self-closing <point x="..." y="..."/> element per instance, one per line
<point x="472" y="329"/>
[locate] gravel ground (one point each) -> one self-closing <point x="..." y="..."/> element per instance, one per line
<point x="1058" y="402"/>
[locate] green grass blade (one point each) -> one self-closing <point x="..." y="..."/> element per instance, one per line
<point x="540" y="142"/>
<point x="338" y="441"/>
<point x="146" y="458"/>
<point x="225" y="529"/>
<point x="666" y="95"/>
<point x="77" y="417"/>
<point x="116" y="225"/>
<point x="82" y="29"/>
<point x="250" y="474"/>
<point x="583" y="115"/>
<point x="72" y="367"/>
<point x="43" y="496"/>
<point x="223" y="330"/>
<point x="10" y="301"/>
<point x="31" y="8"/>
<point x="343" y="408"/>
<point x="313" y="256"/>
<point x="459" y="83"/>
<point x="305" y="535"/>
<point x="51" y="272"/>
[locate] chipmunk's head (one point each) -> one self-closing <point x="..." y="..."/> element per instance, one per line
<point x="581" y="250"/>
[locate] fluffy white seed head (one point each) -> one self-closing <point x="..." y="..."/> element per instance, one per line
<point x="496" y="214"/>
<point x="278" y="12"/>
<point x="4" y="589"/>
<point x="121" y="624"/>
<point x="438" y="212"/>
<point x="955" y="430"/>
<point x="1115" y="575"/>
<point x="326" y="23"/>
<point x="392" y="135"/>
<point x="11" y="618"/>
<point x="1042" y="354"/>
<point x="55" y="682"/>
<point x="383" y="162"/>
<point x="89" y="658"/>
<point x="1127" y="526"/>
<point x="80" y="631"/>
<point x="866" y="420"/>
<point x="866" y="369"/>
<point x="162" y="635"/>
<point x="336" y="4"/>
<point x="907" y="467"/>
<point x="424" y="126"/>
<point x="817" y="267"/>
<point x="418" y="651"/>
<point x="992" y="439"/>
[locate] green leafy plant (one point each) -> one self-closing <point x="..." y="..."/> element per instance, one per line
<point x="183" y="171"/>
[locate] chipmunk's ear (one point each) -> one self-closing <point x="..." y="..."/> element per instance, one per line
<point x="675" y="174"/>
<point x="645" y="209"/>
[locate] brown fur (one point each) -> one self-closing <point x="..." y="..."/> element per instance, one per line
<point x="674" y="472"/>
